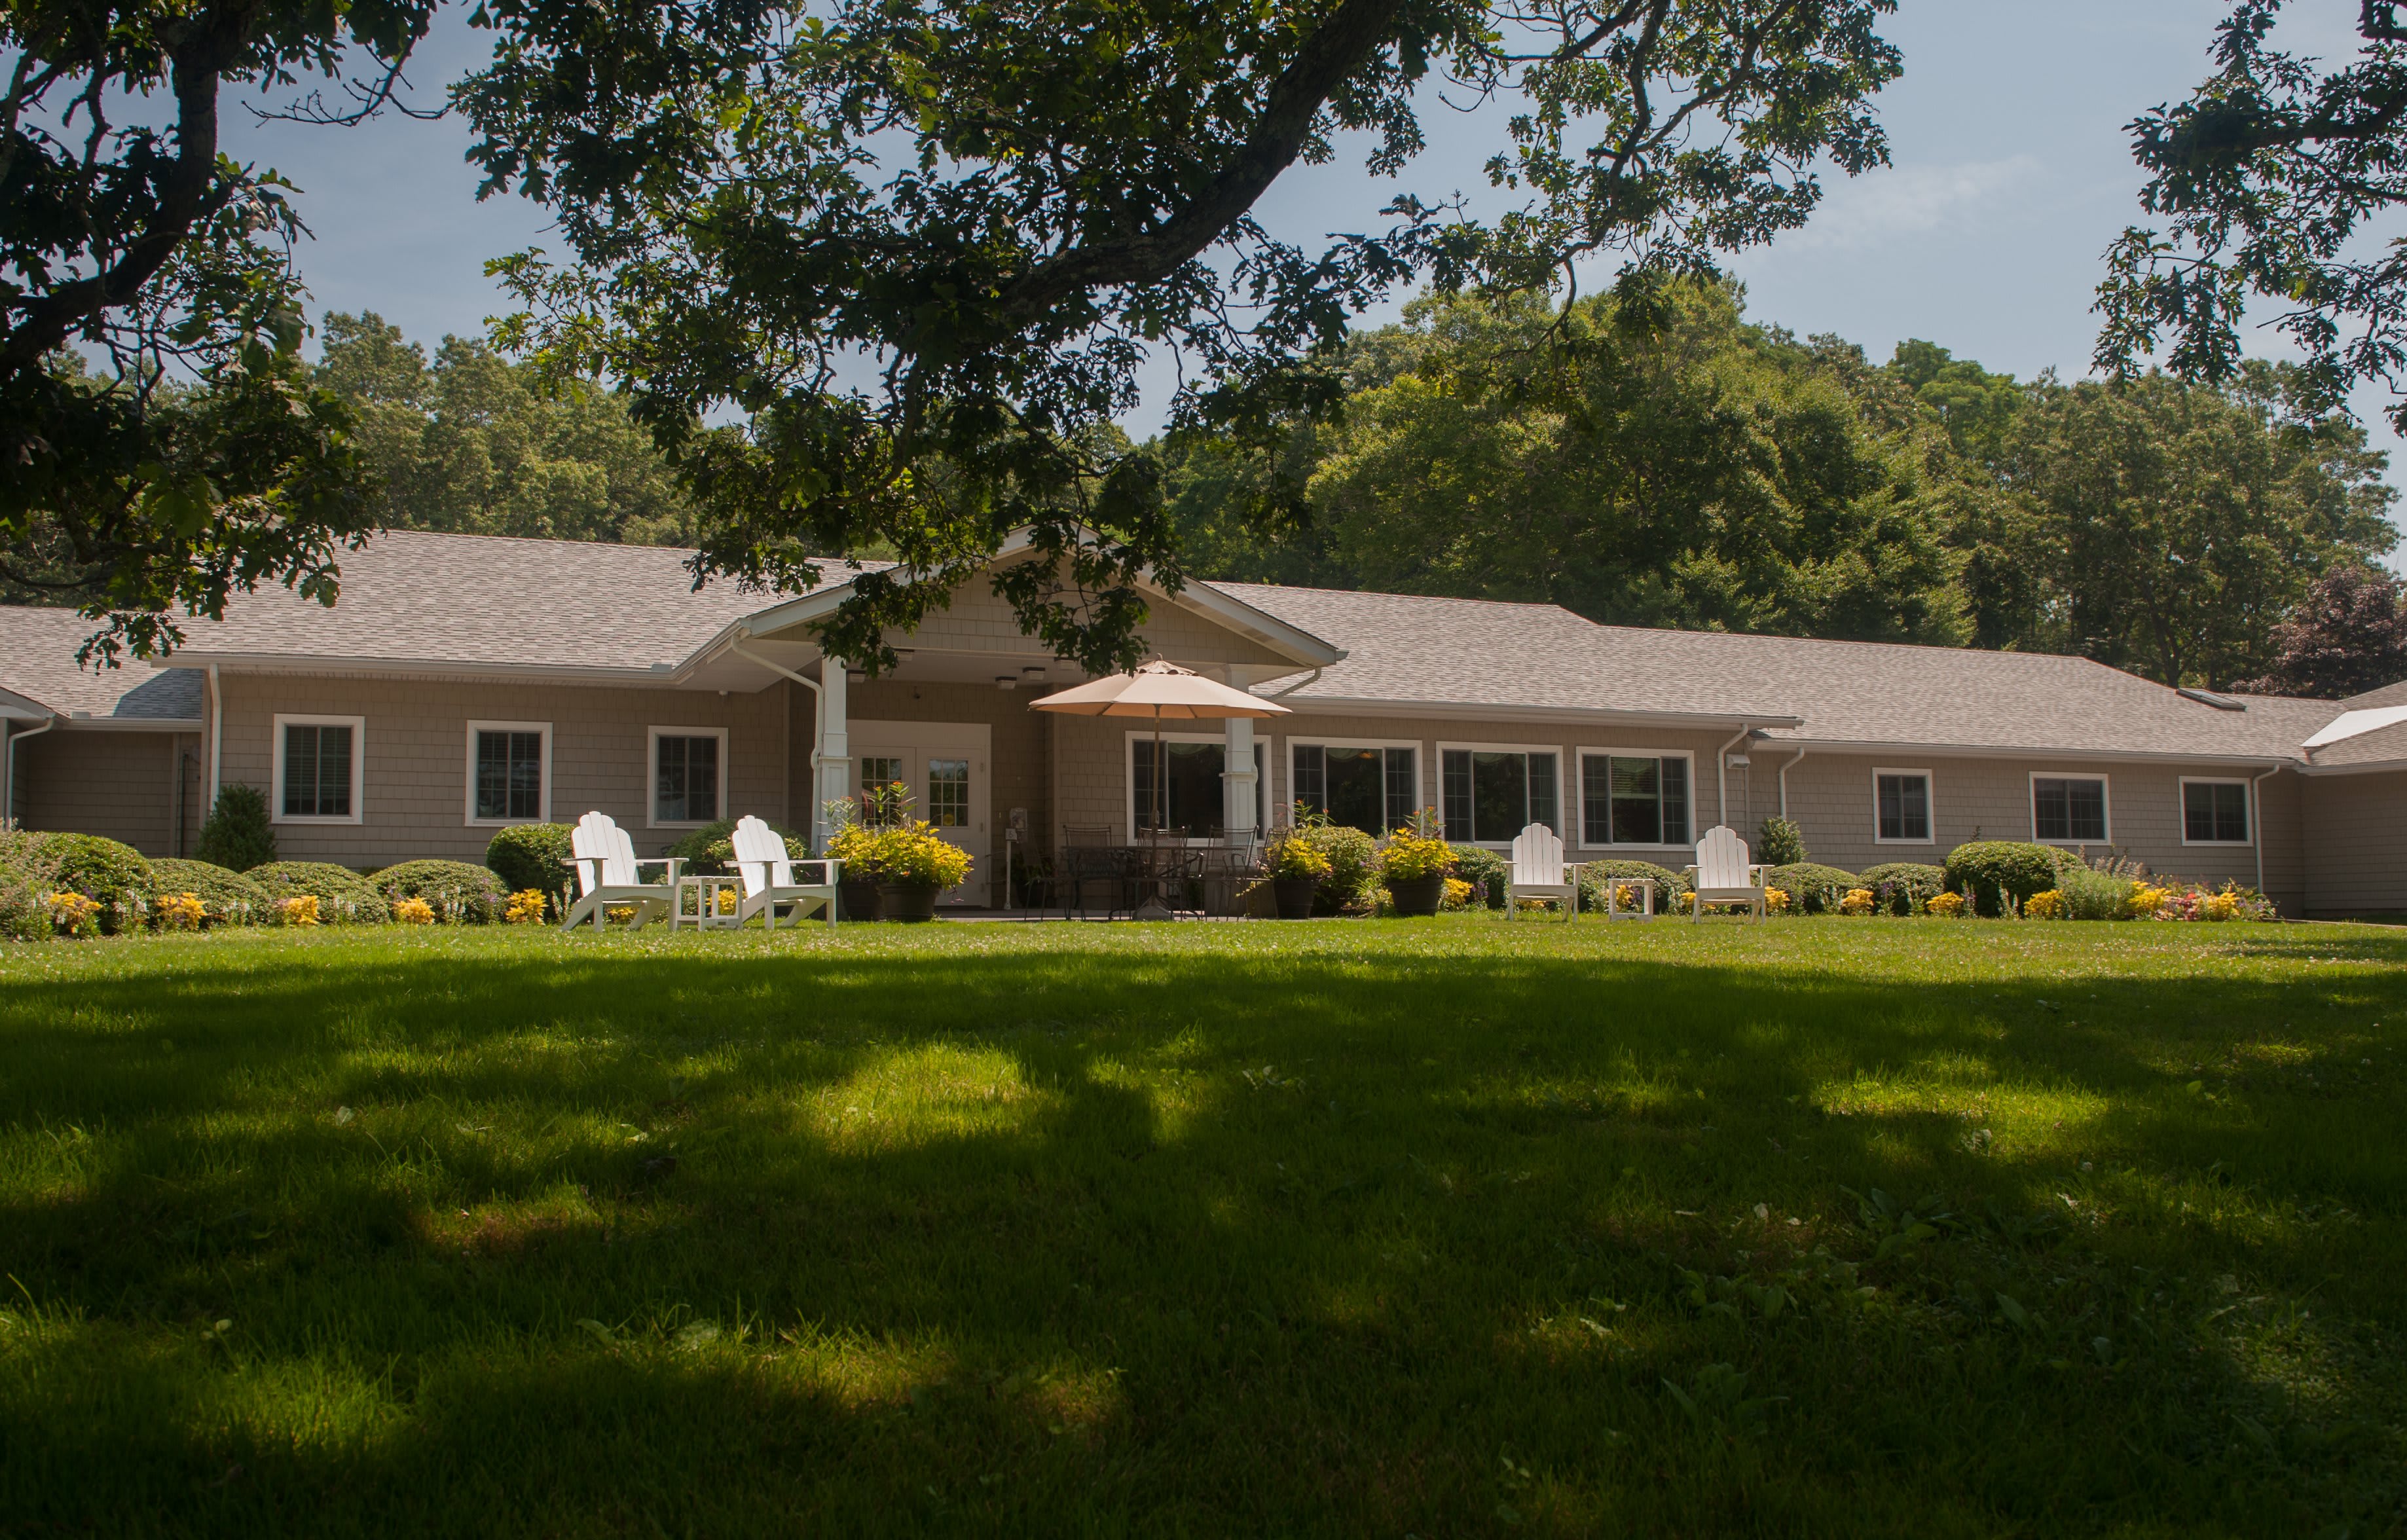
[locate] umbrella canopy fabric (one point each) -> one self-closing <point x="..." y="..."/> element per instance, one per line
<point x="1159" y="692"/>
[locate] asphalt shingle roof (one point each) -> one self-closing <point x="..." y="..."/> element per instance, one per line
<point x="37" y="654"/>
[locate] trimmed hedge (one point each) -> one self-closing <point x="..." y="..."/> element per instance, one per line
<point x="1353" y="866"/>
<point x="230" y="897"/>
<point x="1670" y="886"/>
<point x="344" y="897"/>
<point x="1991" y="866"/>
<point x="114" y="875"/>
<point x="1812" y="888"/>
<point x="1486" y="870"/>
<point x="28" y="877"/>
<point x="533" y="855"/>
<point x="460" y="894"/>
<point x="1902" y="887"/>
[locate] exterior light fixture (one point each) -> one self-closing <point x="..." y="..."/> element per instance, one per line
<point x="1032" y="674"/>
<point x="1007" y="681"/>
<point x="856" y="675"/>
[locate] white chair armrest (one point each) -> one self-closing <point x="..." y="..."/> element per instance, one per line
<point x="671" y="862"/>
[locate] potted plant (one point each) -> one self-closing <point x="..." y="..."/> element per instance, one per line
<point x="853" y="842"/>
<point x="1414" y="864"/>
<point x="915" y="863"/>
<point x="1296" y="873"/>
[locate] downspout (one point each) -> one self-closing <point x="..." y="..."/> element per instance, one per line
<point x="9" y="769"/>
<point x="2257" y="822"/>
<point x="819" y="732"/>
<point x="1784" y="784"/>
<point x="1721" y="776"/>
<point x="217" y="737"/>
<point x="1297" y="685"/>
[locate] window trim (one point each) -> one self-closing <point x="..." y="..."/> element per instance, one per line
<point x="1263" y="750"/>
<point x="1930" y="801"/>
<point x="1281" y="761"/>
<point x="1582" y="753"/>
<point x="652" y="736"/>
<point x="359" y="726"/>
<point x="468" y="792"/>
<point x="1562" y="794"/>
<point x="2247" y="804"/>
<point x="2105" y="798"/>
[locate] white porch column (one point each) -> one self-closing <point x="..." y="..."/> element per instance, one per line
<point x="834" y="756"/>
<point x="1238" y="776"/>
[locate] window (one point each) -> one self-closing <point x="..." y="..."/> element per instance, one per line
<point x="509" y="772"/>
<point x="1492" y="794"/>
<point x="2068" y="809"/>
<point x="1374" y="788"/>
<point x="880" y="769"/>
<point x="1193" y="767"/>
<point x="949" y="794"/>
<point x="689" y="774"/>
<point x="2214" y="812"/>
<point x="1902" y="807"/>
<point x="317" y="769"/>
<point x="1633" y="799"/>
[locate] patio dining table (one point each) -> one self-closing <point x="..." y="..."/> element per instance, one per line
<point x="1129" y="874"/>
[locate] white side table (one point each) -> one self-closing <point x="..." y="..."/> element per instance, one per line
<point x="705" y="891"/>
<point x="1645" y="886"/>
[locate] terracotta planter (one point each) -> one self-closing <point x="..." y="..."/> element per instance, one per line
<point x="1419" y="895"/>
<point x="856" y="898"/>
<point x="1295" y="895"/>
<point x="910" y="902"/>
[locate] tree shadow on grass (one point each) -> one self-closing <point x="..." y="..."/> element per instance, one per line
<point x="1023" y="1238"/>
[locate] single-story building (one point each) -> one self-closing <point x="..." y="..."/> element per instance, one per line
<point x="465" y="683"/>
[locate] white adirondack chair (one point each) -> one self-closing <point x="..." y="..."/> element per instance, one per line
<point x="608" y="873"/>
<point x="768" y="875"/>
<point x="1538" y="872"/>
<point x="1723" y="875"/>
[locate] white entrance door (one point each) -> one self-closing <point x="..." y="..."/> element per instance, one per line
<point x="946" y="765"/>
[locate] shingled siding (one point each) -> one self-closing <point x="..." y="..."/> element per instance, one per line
<point x="415" y="800"/>
<point x="1022" y="741"/>
<point x="118" y="785"/>
<point x="1831" y="799"/>
<point x="2355" y="844"/>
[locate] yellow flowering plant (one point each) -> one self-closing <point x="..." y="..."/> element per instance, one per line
<point x="1775" y="901"/>
<point x="74" y="914"/>
<point x="296" y="909"/>
<point x="1857" y="901"/>
<point x="1415" y="853"/>
<point x="525" y="908"/>
<point x="2048" y="904"/>
<point x="1457" y="894"/>
<point x="1946" y="905"/>
<point x="414" y="911"/>
<point x="180" y="911"/>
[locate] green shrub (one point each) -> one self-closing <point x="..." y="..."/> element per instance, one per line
<point x="460" y="894"/>
<point x="112" y="875"/>
<point x="230" y="897"/>
<point x="1812" y="889"/>
<point x="1670" y="886"/>
<point x="1486" y="870"/>
<point x="1902" y="887"/>
<point x="1780" y="843"/>
<point x="1353" y="865"/>
<point x="28" y="875"/>
<point x="1993" y="866"/>
<point x="344" y="897"/>
<point x="711" y="850"/>
<point x="237" y="835"/>
<point x="533" y="855"/>
<point x="2092" y="895"/>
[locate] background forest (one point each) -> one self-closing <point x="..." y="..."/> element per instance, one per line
<point x="1665" y="463"/>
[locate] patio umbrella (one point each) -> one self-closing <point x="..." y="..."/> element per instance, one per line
<point x="1161" y="691"/>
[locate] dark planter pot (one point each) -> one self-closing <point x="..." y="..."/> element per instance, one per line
<point x="856" y="898"/>
<point x="910" y="902"/>
<point x="1295" y="895"/>
<point x="1420" y="895"/>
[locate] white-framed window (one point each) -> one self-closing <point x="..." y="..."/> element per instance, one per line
<point x="1195" y="797"/>
<point x="1490" y="792"/>
<point x="509" y="773"/>
<point x="2214" y="811"/>
<point x="320" y="769"/>
<point x="1370" y="784"/>
<point x="1637" y="797"/>
<point x="2068" y="809"/>
<point x="688" y="776"/>
<point x="1901" y="806"/>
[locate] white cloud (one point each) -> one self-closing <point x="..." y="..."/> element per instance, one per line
<point x="1904" y="201"/>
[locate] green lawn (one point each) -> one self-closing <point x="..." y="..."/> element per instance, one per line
<point x="1346" y="1227"/>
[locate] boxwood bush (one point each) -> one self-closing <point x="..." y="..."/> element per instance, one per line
<point x="1353" y="866"/>
<point x="1486" y="870"/>
<point x="533" y="855"/>
<point x="1670" y="886"/>
<point x="28" y="877"/>
<point x="1993" y="866"/>
<point x="344" y="897"/>
<point x="113" y="874"/>
<point x="461" y="893"/>
<point x="1812" y="889"/>
<point x="230" y="897"/>
<point x="1902" y="887"/>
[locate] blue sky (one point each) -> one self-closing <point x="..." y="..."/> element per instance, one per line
<point x="2011" y="173"/>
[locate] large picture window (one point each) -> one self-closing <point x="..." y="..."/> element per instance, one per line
<point x="1196" y="808"/>
<point x="1492" y="794"/>
<point x="317" y="769"/>
<point x="1374" y="788"/>
<point x="1633" y="799"/>
<point x="689" y="774"/>
<point x="1902" y="807"/>
<point x="509" y="772"/>
<point x="2068" y="809"/>
<point x="2214" y="812"/>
